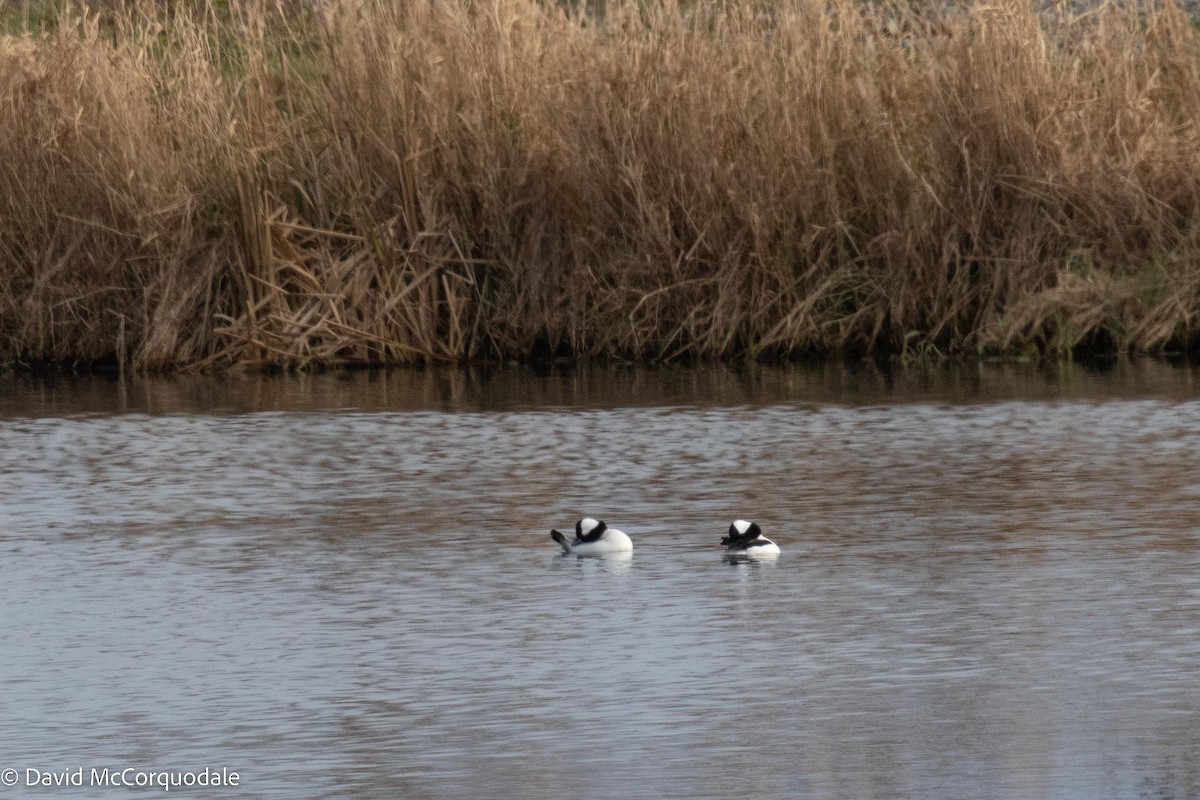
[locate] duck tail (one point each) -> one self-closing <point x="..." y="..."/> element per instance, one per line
<point x="562" y="540"/>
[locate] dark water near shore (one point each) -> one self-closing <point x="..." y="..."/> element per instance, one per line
<point x="343" y="586"/>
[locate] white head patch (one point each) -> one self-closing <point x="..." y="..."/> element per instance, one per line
<point x="742" y="526"/>
<point x="587" y="524"/>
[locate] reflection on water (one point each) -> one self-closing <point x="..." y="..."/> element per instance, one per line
<point x="345" y="587"/>
<point x="508" y="389"/>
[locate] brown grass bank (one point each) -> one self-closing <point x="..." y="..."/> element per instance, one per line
<point x="360" y="181"/>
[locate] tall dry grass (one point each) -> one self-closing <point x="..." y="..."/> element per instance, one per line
<point x="361" y="181"/>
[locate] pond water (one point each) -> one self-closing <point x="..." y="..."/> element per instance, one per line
<point x="343" y="586"/>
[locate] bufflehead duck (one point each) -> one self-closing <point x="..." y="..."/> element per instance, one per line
<point x="746" y="538"/>
<point x="593" y="537"/>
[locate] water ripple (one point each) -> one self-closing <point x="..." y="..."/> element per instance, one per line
<point x="985" y="600"/>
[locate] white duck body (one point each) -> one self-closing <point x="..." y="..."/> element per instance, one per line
<point x="594" y="538"/>
<point x="746" y="539"/>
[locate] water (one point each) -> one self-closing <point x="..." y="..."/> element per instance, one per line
<point x="343" y="587"/>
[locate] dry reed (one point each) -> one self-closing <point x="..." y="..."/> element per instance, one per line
<point x="362" y="182"/>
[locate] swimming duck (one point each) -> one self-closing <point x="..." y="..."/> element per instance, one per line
<point x="593" y="537"/>
<point x="747" y="538"/>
